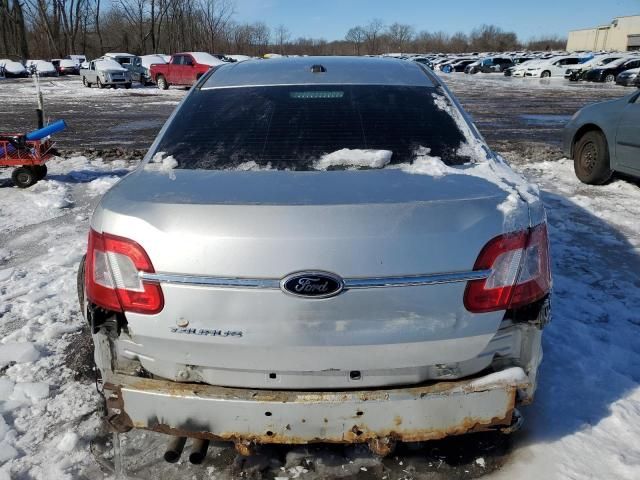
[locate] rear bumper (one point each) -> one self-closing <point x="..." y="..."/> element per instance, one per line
<point x="246" y="416"/>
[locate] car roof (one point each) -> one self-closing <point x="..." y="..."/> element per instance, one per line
<point x="337" y="71"/>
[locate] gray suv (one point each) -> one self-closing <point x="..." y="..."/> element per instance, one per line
<point x="105" y="72"/>
<point x="317" y="250"/>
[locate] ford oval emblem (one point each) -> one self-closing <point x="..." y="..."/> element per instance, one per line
<point x="312" y="284"/>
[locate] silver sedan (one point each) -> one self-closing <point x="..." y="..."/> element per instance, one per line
<point x="318" y="249"/>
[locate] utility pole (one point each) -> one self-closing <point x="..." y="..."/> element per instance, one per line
<point x="40" y="107"/>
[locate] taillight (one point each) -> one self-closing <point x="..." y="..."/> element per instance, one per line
<point x="520" y="273"/>
<point x="112" y="275"/>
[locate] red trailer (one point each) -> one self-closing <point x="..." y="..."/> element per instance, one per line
<point x="28" y="157"/>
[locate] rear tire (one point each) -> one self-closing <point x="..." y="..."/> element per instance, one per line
<point x="85" y="83"/>
<point x="24" y="177"/>
<point x="610" y="78"/>
<point x="545" y="74"/>
<point x="127" y="85"/>
<point x="162" y="82"/>
<point x="591" y="158"/>
<point x="99" y="83"/>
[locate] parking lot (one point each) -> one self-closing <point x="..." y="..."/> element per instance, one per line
<point x="523" y="112"/>
<point x="586" y="407"/>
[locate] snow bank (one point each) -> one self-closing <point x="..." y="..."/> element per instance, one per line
<point x="68" y="442"/>
<point x="45" y="413"/>
<point x="17" y="352"/>
<point x="354" y="158"/>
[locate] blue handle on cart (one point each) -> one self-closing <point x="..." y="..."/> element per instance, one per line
<point x="50" y="129"/>
<point x="39" y="134"/>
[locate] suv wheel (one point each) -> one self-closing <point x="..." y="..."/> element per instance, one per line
<point x="85" y="83"/>
<point x="591" y="158"/>
<point x="162" y="82"/>
<point x="99" y="83"/>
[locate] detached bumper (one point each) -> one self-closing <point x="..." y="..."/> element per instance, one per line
<point x="247" y="416"/>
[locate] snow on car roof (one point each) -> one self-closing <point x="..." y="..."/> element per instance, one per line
<point x="114" y="54"/>
<point x="108" y="64"/>
<point x="338" y="70"/>
<point x="12" y="66"/>
<point x="68" y="63"/>
<point x="205" y="58"/>
<point x="148" y="60"/>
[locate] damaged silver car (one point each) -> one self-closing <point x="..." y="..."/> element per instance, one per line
<point x="317" y="250"/>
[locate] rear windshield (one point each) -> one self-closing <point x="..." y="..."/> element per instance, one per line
<point x="291" y="127"/>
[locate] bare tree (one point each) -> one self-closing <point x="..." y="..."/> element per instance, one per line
<point x="400" y="35"/>
<point x="356" y="36"/>
<point x="216" y="15"/>
<point x="372" y="35"/>
<point x="282" y="35"/>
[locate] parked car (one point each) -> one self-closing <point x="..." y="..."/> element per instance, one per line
<point x="604" y="138"/>
<point x="610" y="72"/>
<point x="78" y="59"/>
<point x="489" y="65"/>
<point x="317" y="249"/>
<point x="68" y="67"/>
<point x="12" y="69"/>
<point x="457" y="65"/>
<point x="628" y="77"/>
<point x="42" y="68"/>
<point x="140" y="68"/>
<point x="508" y="72"/>
<point x="105" y="72"/>
<point x="578" y="72"/>
<point x="183" y="69"/>
<point x="123" y="59"/>
<point x="424" y="61"/>
<point x="554" y="67"/>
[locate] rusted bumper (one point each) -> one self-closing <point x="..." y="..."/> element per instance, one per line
<point x="259" y="416"/>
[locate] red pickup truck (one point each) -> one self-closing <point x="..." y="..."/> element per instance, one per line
<point x="183" y="69"/>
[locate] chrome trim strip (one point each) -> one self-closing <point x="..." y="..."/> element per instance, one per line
<point x="349" y="283"/>
<point x="415" y="280"/>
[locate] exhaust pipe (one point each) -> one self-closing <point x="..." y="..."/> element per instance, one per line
<point x="174" y="449"/>
<point x="198" y="451"/>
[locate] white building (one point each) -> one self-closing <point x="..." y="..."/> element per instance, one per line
<point x="622" y="34"/>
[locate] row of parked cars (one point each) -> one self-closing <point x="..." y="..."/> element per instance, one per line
<point x="70" y="65"/>
<point x="620" y="67"/>
<point x="122" y="69"/>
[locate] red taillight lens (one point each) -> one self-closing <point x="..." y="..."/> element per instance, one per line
<point x="520" y="274"/>
<point x="112" y="275"/>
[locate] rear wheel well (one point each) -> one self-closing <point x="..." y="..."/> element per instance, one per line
<point x="583" y="130"/>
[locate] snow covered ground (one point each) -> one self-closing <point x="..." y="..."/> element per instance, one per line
<point x="585" y="422"/>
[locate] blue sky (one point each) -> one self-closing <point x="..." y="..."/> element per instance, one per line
<point x="330" y="19"/>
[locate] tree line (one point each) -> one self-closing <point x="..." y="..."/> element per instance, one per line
<point x="55" y="28"/>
